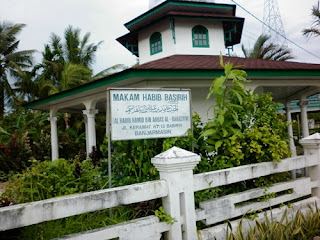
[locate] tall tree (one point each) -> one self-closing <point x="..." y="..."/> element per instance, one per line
<point x="315" y="27"/>
<point x="12" y="61"/>
<point x="66" y="62"/>
<point x="72" y="75"/>
<point x="264" y="49"/>
<point x="25" y="86"/>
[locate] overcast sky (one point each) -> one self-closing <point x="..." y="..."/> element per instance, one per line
<point x="105" y="19"/>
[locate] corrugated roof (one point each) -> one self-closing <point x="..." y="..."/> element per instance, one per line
<point x="203" y="62"/>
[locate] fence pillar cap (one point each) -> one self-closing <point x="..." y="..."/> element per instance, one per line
<point x="175" y="159"/>
<point x="312" y="140"/>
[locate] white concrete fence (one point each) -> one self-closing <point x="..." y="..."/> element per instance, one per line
<point x="176" y="187"/>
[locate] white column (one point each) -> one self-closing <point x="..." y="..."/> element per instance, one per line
<point x="304" y="117"/>
<point x="54" y="138"/>
<point x="311" y="146"/>
<point x="175" y="166"/>
<point x="85" y="119"/>
<point x="91" y="132"/>
<point x="290" y="130"/>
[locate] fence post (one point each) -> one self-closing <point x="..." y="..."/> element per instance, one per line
<point x="311" y="146"/>
<point x="175" y="166"/>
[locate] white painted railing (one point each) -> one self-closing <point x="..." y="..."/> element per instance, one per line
<point x="176" y="188"/>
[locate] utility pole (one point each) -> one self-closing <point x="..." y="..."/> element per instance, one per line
<point x="273" y="21"/>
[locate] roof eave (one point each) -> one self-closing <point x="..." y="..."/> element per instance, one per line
<point x="169" y="73"/>
<point x="131" y="25"/>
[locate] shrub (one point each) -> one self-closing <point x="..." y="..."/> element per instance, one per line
<point x="246" y="127"/>
<point x="49" y="179"/>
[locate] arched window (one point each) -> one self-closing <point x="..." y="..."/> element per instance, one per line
<point x="200" y="36"/>
<point x="155" y="43"/>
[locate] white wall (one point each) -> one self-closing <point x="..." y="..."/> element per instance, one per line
<point x="184" y="37"/>
<point x="183" y="45"/>
<point x="167" y="42"/>
<point x="200" y="104"/>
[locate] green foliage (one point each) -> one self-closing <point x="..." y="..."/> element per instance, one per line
<point x="164" y="217"/>
<point x="131" y="160"/>
<point x="29" y="138"/>
<point x="246" y="127"/>
<point x="80" y="223"/>
<point x="300" y="226"/>
<point x="50" y="179"/>
<point x="191" y="140"/>
<point x="12" y="61"/>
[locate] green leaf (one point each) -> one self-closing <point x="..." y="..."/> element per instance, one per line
<point x="228" y="70"/>
<point x="217" y="83"/>
<point x="225" y="132"/>
<point x="218" y="144"/>
<point x="238" y="96"/>
<point x="211" y="124"/>
<point x="210" y="141"/>
<point x="221" y="119"/>
<point x="208" y="132"/>
<point x="235" y="106"/>
<point x="221" y="60"/>
<point x="238" y="123"/>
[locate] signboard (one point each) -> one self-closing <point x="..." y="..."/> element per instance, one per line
<point x="147" y="113"/>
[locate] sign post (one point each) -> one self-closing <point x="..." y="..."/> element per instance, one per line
<point x="145" y="114"/>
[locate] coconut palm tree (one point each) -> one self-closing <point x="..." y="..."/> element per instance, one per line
<point x="25" y="86"/>
<point x="315" y="28"/>
<point x="264" y="49"/>
<point x="72" y="75"/>
<point x="12" y="61"/>
<point x="72" y="55"/>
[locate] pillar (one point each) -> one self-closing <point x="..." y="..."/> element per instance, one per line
<point x="91" y="128"/>
<point x="304" y="117"/>
<point x="85" y="120"/>
<point x="290" y="130"/>
<point x="176" y="168"/>
<point x="311" y="146"/>
<point x="54" y="138"/>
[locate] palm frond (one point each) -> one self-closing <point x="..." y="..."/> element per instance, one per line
<point x="264" y="49"/>
<point x="111" y="70"/>
<point x="315" y="28"/>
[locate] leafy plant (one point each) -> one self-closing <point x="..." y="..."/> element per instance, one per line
<point x="164" y="217"/>
<point x="131" y="160"/>
<point x="49" y="179"/>
<point x="246" y="127"/>
<point x="298" y="226"/>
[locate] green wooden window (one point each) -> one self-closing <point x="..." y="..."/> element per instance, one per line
<point x="200" y="36"/>
<point x="155" y="43"/>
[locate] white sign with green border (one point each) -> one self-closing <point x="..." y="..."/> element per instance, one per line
<point x="149" y="113"/>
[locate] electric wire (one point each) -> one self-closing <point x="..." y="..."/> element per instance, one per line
<point x="249" y="37"/>
<point x="250" y="33"/>
<point x="275" y="30"/>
